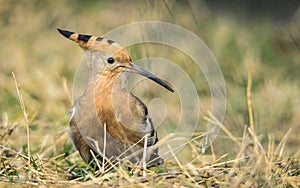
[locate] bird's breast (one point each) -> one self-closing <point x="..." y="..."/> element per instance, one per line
<point x="123" y="114"/>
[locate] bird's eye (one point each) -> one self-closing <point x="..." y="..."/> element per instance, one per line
<point x="110" y="60"/>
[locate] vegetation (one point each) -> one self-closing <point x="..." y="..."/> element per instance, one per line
<point x="258" y="144"/>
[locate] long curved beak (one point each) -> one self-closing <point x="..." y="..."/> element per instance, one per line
<point x="135" y="69"/>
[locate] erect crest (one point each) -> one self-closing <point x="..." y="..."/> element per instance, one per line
<point x="94" y="43"/>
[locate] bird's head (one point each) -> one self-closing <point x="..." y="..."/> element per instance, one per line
<point x="114" y="58"/>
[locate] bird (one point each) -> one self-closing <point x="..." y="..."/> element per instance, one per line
<point x="108" y="122"/>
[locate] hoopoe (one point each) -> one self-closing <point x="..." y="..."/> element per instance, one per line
<point x="107" y="119"/>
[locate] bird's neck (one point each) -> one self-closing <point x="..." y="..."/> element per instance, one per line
<point x="111" y="83"/>
<point x="103" y="88"/>
<point x="106" y="82"/>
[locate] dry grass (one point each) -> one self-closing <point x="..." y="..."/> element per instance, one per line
<point x="258" y="145"/>
<point x="253" y="165"/>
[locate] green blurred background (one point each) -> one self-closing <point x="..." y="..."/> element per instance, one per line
<point x="266" y="35"/>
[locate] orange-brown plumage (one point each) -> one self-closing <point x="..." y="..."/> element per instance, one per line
<point x="107" y="103"/>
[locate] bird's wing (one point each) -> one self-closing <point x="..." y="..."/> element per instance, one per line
<point x="138" y="120"/>
<point x="87" y="133"/>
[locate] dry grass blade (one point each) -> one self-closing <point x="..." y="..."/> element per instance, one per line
<point x="104" y="148"/>
<point x="280" y="148"/>
<point x="21" y="100"/>
<point x="249" y="100"/>
<point x="180" y="165"/>
<point x="144" y="162"/>
<point x="212" y="119"/>
<point x="96" y="160"/>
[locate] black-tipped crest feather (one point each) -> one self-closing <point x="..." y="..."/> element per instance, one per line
<point x="65" y="33"/>
<point x="84" y="38"/>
